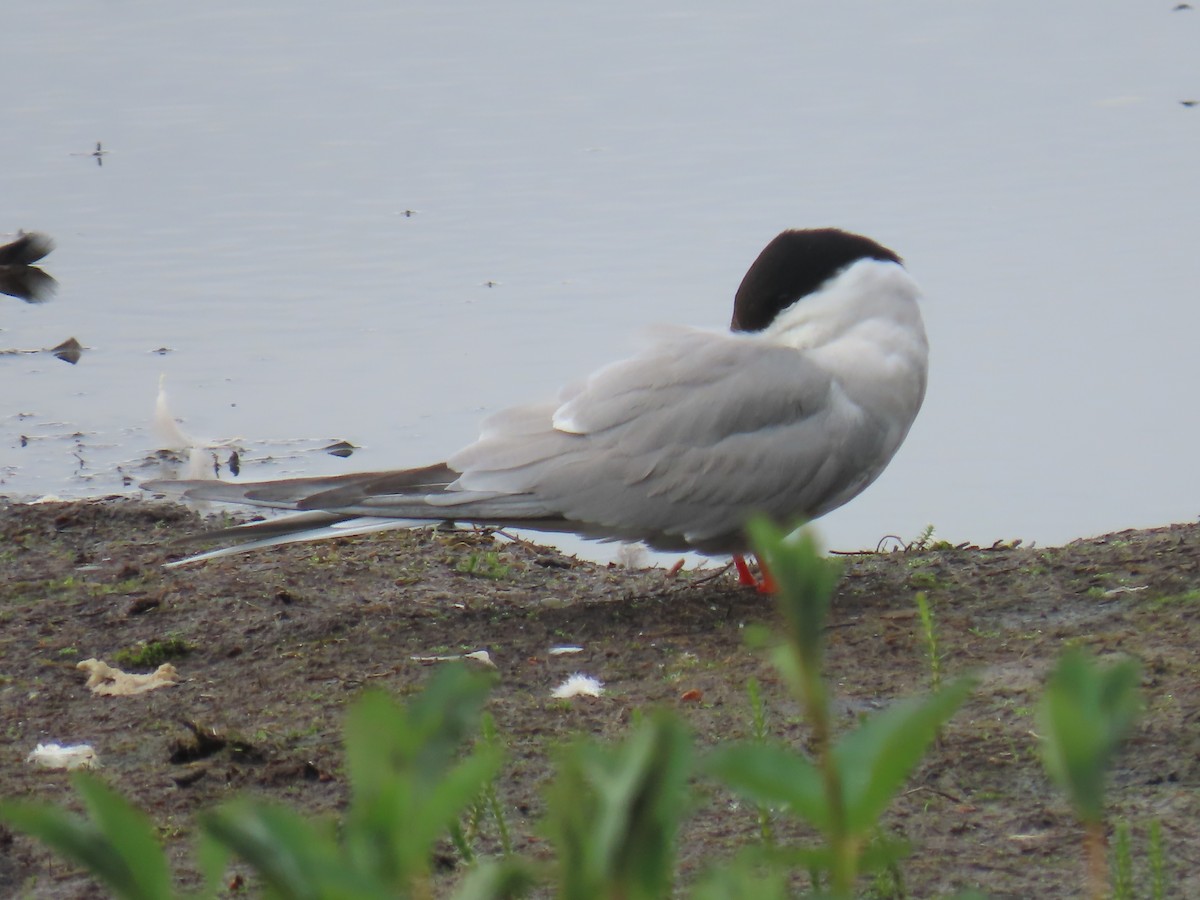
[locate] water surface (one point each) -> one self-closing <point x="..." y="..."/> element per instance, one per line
<point x="604" y="168"/>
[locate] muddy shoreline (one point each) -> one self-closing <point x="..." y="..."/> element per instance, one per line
<point x="277" y="642"/>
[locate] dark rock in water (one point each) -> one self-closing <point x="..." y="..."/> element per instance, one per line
<point x="69" y="350"/>
<point x="340" y="448"/>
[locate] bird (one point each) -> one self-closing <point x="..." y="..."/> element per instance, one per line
<point x="18" y="276"/>
<point x="98" y="154"/>
<point x="25" y="248"/>
<point x="789" y="413"/>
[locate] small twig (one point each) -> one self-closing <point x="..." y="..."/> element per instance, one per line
<point x="890" y="537"/>
<point x="529" y="545"/>
<point x="849" y="623"/>
<point x="943" y="794"/>
<point x="714" y="576"/>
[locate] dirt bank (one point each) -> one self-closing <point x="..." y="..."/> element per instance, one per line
<point x="278" y="641"/>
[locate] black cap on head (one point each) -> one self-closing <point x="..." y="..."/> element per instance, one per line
<point x="794" y="265"/>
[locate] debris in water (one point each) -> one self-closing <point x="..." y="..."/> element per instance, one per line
<point x="60" y="756"/>
<point x="104" y="679"/>
<point x="171" y="436"/>
<point x="340" y="448"/>
<point x="564" y="650"/>
<point x="69" y="350"/>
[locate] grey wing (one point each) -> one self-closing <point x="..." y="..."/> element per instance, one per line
<point x="322" y="507"/>
<point x="340" y="493"/>
<point x="680" y="445"/>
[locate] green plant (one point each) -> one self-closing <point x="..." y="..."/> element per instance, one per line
<point x="1158" y="865"/>
<point x="925" y="580"/>
<point x="152" y="654"/>
<point x="114" y="841"/>
<point x="744" y="877"/>
<point x="1183" y="599"/>
<point x="1124" y="881"/>
<point x="846" y="787"/>
<point x="409" y="785"/>
<point x="483" y="565"/>
<point x="1122" y="865"/>
<point x="613" y="812"/>
<point x="758" y="733"/>
<point x="1084" y="715"/>
<point x="488" y="802"/>
<point x="931" y="641"/>
<point x="410" y="782"/>
<point x="924" y="541"/>
<point x="921" y="541"/>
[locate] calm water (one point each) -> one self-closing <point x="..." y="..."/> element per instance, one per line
<point x="607" y="168"/>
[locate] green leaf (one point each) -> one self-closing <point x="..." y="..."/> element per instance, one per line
<point x="423" y="738"/>
<point x="805" y="583"/>
<point x="131" y="832"/>
<point x="212" y="857"/>
<point x="739" y="880"/>
<point x="295" y="856"/>
<point x="1084" y="715"/>
<point x="503" y="879"/>
<point x="774" y="776"/>
<point x="408" y="780"/>
<point x="876" y="758"/>
<point x="116" y="844"/>
<point x="73" y="838"/>
<point x="614" y="813"/>
<point x="453" y="793"/>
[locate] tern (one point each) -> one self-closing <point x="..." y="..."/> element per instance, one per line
<point x="791" y="412"/>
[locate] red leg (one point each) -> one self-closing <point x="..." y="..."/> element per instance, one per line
<point x="767" y="585"/>
<point x="744" y="575"/>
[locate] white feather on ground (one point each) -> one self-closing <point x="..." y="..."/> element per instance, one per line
<point x="578" y="685"/>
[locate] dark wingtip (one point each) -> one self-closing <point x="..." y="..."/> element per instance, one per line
<point x="28" y="283"/>
<point x="796" y="263"/>
<point x="28" y="248"/>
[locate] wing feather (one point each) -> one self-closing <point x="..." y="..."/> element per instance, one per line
<point x="681" y="443"/>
